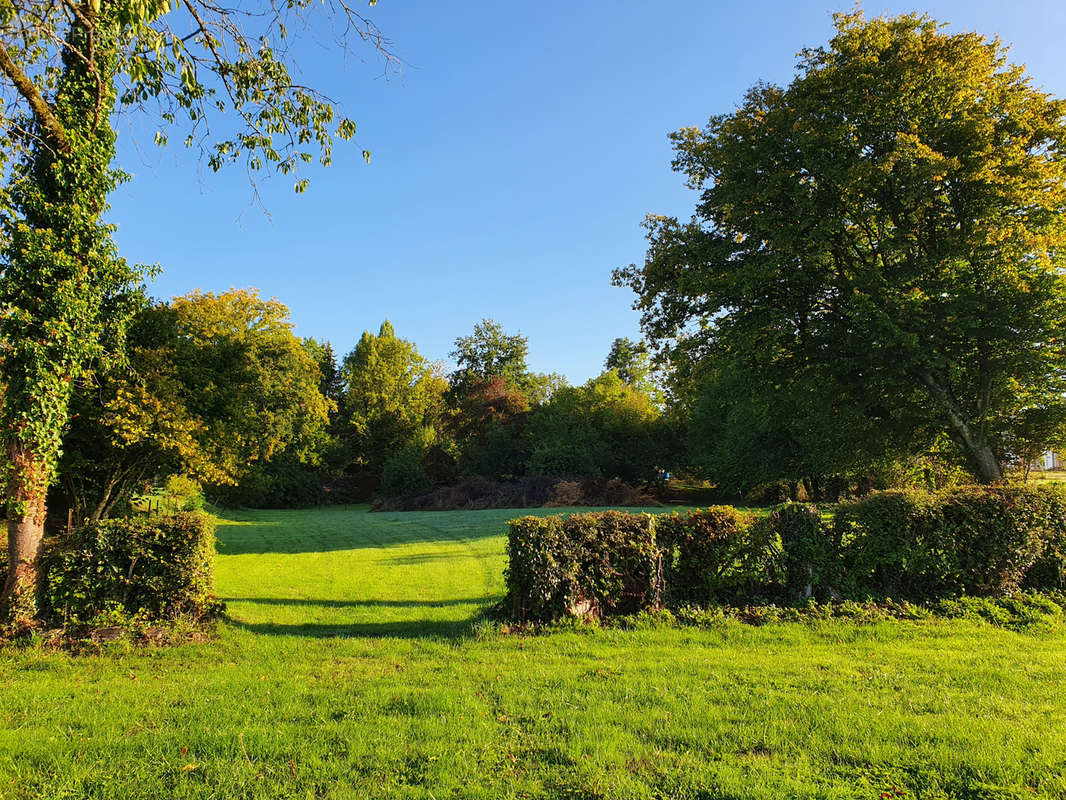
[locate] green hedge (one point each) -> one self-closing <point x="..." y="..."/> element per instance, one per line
<point x="154" y="568"/>
<point x="980" y="541"/>
<point x="582" y="565"/>
<point x="810" y="551"/>
<point x="909" y="546"/>
<point x="719" y="554"/>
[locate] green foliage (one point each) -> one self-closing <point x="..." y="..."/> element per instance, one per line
<point x="631" y="361"/>
<point x="153" y="568"/>
<point x="217" y="386"/>
<point x="811" y="552"/>
<point x="972" y="540"/>
<point x="882" y="239"/>
<point x="606" y="427"/>
<point x="403" y="473"/>
<point x="541" y="569"/>
<point x="391" y="394"/>
<point x="589" y="565"/>
<point x="64" y="292"/>
<point x="490" y="353"/>
<point x="197" y="63"/>
<point x="719" y="555"/>
<point x="911" y="546"/>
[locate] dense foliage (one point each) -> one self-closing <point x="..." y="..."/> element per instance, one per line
<point x="150" y="568"/>
<point x="911" y="546"/>
<point x="215" y="387"/>
<point x="876" y="259"/>
<point x="583" y="565"/>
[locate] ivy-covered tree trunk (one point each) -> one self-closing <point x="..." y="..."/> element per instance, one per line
<point x="59" y="270"/>
<point x="27" y="488"/>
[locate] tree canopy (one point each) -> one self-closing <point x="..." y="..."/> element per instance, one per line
<point x="892" y="221"/>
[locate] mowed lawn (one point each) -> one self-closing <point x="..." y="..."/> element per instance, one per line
<point x="354" y="666"/>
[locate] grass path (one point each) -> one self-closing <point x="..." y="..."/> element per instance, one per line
<point x="353" y="668"/>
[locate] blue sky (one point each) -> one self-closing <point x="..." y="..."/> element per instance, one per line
<point x="512" y="163"/>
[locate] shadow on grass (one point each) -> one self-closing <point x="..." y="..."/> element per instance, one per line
<point x="304" y="601"/>
<point x="405" y="629"/>
<point x="321" y="530"/>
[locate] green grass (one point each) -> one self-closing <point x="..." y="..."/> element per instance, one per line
<point x="355" y="667"/>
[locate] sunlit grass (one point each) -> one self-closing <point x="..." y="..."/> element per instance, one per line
<point x="355" y="666"/>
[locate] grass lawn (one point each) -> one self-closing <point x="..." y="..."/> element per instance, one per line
<point x="354" y="667"/>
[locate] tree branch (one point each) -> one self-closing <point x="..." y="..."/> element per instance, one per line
<point x="41" y="110"/>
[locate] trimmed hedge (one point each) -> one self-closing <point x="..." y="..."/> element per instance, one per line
<point x="980" y="541"/>
<point x="583" y="565"/>
<point x="810" y="552"/>
<point x="154" y="568"/>
<point x="719" y="554"/>
<point x="908" y="546"/>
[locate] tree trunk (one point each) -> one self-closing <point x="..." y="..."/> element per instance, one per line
<point x="971" y="442"/>
<point x="27" y="491"/>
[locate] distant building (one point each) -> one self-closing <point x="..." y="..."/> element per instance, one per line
<point x="1051" y="460"/>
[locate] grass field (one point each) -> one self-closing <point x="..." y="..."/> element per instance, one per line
<point x="354" y="667"/>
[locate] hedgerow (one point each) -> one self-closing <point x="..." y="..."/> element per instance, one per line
<point x="969" y="542"/>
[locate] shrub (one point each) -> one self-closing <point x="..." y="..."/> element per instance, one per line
<point x="584" y="565"/>
<point x="185" y="493"/>
<point x="619" y="564"/>
<point x="158" y="568"/>
<point x="540" y="568"/>
<point x="403" y="473"/>
<point x="970" y="540"/>
<point x="718" y="554"/>
<point x="810" y="551"/>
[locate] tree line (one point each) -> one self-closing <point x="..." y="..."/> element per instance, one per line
<point x="217" y="388"/>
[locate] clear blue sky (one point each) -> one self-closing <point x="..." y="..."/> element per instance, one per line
<point x="513" y="161"/>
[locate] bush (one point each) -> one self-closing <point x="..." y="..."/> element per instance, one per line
<point x="971" y="540"/>
<point x="619" y="564"/>
<point x="156" y="568"/>
<point x="403" y="473"/>
<point x="718" y="554"/>
<point x="540" y="570"/>
<point x="909" y="546"/>
<point x="584" y="565"/>
<point x="810" y="551"/>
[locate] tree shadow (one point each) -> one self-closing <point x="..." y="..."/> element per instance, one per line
<point x="451" y="630"/>
<point x="336" y="528"/>
<point x="305" y="601"/>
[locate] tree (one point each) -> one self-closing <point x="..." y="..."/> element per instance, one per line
<point x="61" y="282"/>
<point x="891" y="221"/>
<point x="605" y="428"/>
<point x="630" y="360"/>
<point x="332" y="384"/>
<point x="216" y="385"/>
<point x="488" y="353"/>
<point x="392" y="395"/>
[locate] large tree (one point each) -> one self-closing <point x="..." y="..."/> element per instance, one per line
<point x="892" y="221"/>
<point x="67" y="66"/>
<point x="392" y="395"/>
<point x="215" y="385"/>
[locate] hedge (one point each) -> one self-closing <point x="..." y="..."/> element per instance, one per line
<point x="719" y="554"/>
<point x="980" y="541"/>
<point x="156" y="568"/>
<point x="582" y="565"/>
<point x="908" y="546"/>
